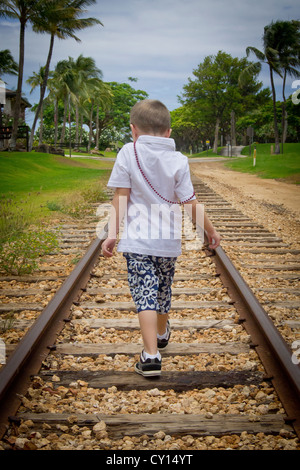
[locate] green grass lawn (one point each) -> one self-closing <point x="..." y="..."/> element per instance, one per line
<point x="284" y="166"/>
<point x="25" y="172"/>
<point x="49" y="178"/>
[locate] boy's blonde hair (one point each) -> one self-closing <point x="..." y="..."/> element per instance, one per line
<point x="151" y="117"/>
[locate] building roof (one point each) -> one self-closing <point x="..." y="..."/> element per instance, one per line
<point x="11" y="94"/>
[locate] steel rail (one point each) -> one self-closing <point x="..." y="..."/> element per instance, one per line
<point x="271" y="347"/>
<point x="27" y="357"/>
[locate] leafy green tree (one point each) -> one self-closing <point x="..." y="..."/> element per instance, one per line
<point x="216" y="92"/>
<point x="262" y="119"/>
<point x="117" y="115"/>
<point x="103" y="107"/>
<point x="189" y="128"/>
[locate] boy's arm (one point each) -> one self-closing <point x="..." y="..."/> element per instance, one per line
<point x="213" y="236"/>
<point x="119" y="207"/>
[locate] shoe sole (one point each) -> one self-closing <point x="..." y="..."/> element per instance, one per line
<point x="147" y="373"/>
<point x="162" y="347"/>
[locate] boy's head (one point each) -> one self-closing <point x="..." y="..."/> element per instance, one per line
<point x="150" y="117"/>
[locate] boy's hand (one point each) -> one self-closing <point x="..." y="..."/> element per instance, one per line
<point x="214" y="239"/>
<point x="108" y="246"/>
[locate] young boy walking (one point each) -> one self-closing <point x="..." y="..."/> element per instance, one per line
<point x="151" y="180"/>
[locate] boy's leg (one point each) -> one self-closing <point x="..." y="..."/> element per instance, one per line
<point x="152" y="323"/>
<point x="143" y="287"/>
<point x="165" y="272"/>
<point x="149" y="364"/>
<point x="148" y="325"/>
<point x="162" y="323"/>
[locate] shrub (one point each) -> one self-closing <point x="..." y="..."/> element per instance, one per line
<point x="15" y="216"/>
<point x="20" y="254"/>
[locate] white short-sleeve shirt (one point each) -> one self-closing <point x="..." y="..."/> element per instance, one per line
<point x="152" y="226"/>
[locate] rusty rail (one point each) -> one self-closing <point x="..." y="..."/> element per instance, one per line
<point x="32" y="349"/>
<point x="272" y="349"/>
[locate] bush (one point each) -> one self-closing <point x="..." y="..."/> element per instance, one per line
<point x="15" y="216"/>
<point x="19" y="255"/>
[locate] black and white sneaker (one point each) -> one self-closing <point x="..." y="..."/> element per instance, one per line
<point x="163" y="343"/>
<point x="148" y="367"/>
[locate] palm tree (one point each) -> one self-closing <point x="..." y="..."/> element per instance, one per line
<point x="25" y="11"/>
<point x="85" y="70"/>
<point x="103" y="98"/>
<point x="78" y="83"/>
<point x="7" y="63"/>
<point x="287" y="44"/>
<point x="61" y="21"/>
<point x="268" y="56"/>
<point x="66" y="87"/>
<point x="98" y="94"/>
<point x="36" y="80"/>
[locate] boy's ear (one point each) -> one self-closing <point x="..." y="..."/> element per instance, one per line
<point x="134" y="132"/>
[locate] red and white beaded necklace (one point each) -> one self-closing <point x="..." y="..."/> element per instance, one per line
<point x="153" y="189"/>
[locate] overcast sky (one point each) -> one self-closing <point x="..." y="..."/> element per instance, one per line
<point x="160" y="42"/>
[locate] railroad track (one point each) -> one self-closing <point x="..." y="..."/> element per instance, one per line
<point x="228" y="378"/>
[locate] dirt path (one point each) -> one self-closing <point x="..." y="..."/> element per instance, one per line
<point x="274" y="203"/>
<point x="268" y="190"/>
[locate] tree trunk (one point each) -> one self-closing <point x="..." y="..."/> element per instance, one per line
<point x="81" y="128"/>
<point x="17" y="108"/>
<point x="41" y="126"/>
<point x="215" y="149"/>
<point x="63" y="131"/>
<point x="91" y="126"/>
<point x="77" y="128"/>
<point x="233" y="133"/>
<point x="276" y="133"/>
<point x="97" y="128"/>
<point x="55" y="121"/>
<point x="284" y="114"/>
<point x="42" y="93"/>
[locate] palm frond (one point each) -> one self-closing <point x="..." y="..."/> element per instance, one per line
<point x="251" y="70"/>
<point x="259" y="54"/>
